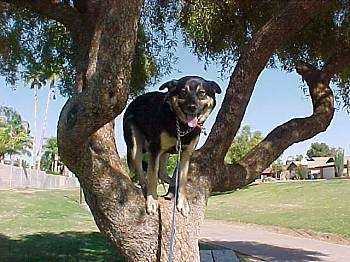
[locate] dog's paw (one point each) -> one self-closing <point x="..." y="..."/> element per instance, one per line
<point x="152" y="205"/>
<point x="182" y="205"/>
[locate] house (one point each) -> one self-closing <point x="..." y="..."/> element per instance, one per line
<point x="290" y="170"/>
<point x="321" y="167"/>
<point x="317" y="167"/>
<point x="313" y="168"/>
<point x="347" y="166"/>
<point x="266" y="173"/>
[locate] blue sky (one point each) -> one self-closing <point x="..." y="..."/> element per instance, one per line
<point x="277" y="98"/>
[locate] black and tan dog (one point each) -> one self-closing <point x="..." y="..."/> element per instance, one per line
<point x="150" y="126"/>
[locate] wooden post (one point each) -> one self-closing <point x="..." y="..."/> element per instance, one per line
<point x="348" y="168"/>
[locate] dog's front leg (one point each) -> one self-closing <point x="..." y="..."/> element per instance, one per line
<point x="182" y="203"/>
<point x="152" y="179"/>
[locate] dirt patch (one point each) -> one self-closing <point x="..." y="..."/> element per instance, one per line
<point x="327" y="237"/>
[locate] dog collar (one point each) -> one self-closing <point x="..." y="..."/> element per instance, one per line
<point x="188" y="130"/>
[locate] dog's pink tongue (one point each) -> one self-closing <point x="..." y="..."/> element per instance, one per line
<point x="192" y="121"/>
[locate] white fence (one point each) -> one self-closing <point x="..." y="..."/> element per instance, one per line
<point x="17" y="177"/>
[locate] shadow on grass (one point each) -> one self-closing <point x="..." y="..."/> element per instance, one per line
<point x="66" y="246"/>
<point x="231" y="191"/>
<point x="271" y="252"/>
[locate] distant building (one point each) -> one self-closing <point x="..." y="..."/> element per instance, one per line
<point x="313" y="168"/>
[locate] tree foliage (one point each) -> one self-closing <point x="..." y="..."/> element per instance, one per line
<point x="34" y="48"/>
<point x="219" y="30"/>
<point x="245" y="140"/>
<point x="104" y="40"/>
<point x="277" y="166"/>
<point x="14" y="133"/>
<point x="50" y="157"/>
<point x="320" y="150"/>
<point x="339" y="162"/>
<point x="299" y="157"/>
<point x="301" y="172"/>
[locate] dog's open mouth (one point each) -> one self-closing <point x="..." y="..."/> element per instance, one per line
<point x="192" y="120"/>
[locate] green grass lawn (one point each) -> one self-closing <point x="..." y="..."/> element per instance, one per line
<point x="322" y="206"/>
<point x="49" y="226"/>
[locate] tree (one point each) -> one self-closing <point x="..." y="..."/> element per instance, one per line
<point x="299" y="157"/>
<point x="277" y="167"/>
<point x="320" y="149"/>
<point x="50" y="156"/>
<point x="14" y="133"/>
<point x="301" y="172"/>
<point x="4" y="138"/>
<point x="339" y="162"/>
<point x="101" y="51"/>
<point x="243" y="143"/>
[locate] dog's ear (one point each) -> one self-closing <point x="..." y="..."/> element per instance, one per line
<point x="170" y="85"/>
<point x="215" y="87"/>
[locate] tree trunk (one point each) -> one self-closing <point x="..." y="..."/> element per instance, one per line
<point x="43" y="127"/>
<point x="119" y="211"/>
<point x="89" y="150"/>
<point x="105" y="34"/>
<point x="34" y="150"/>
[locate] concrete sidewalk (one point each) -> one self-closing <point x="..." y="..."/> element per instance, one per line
<point x="271" y="246"/>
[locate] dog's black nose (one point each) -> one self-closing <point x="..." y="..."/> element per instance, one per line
<point x="192" y="108"/>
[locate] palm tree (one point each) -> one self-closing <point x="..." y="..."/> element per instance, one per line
<point x="43" y="129"/>
<point x="14" y="133"/>
<point x="50" y="159"/>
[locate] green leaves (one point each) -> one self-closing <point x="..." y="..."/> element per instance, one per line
<point x="50" y="155"/>
<point x="35" y="48"/>
<point x="218" y="31"/>
<point x="320" y="150"/>
<point x="14" y="135"/>
<point x="339" y="162"/>
<point x="242" y="144"/>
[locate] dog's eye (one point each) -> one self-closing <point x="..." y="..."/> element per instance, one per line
<point x="201" y="94"/>
<point x="183" y="92"/>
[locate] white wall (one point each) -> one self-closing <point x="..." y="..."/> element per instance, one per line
<point x="16" y="177"/>
<point x="328" y="172"/>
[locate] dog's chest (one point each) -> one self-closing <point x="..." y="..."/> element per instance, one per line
<point x="167" y="142"/>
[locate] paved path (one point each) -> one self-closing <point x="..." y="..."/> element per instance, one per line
<point x="271" y="246"/>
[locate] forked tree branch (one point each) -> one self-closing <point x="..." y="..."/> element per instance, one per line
<point x="298" y="129"/>
<point x="252" y="61"/>
<point x="283" y="136"/>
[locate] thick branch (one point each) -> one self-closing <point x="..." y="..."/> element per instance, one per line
<point x="55" y="10"/>
<point x="252" y="61"/>
<point x="108" y="72"/>
<point x="283" y="136"/>
<point x="86" y="140"/>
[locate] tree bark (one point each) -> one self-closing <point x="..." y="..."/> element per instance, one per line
<point x="105" y="34"/>
<point x="117" y="206"/>
<point x="252" y="61"/>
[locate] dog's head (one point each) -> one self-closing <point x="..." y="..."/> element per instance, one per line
<point x="192" y="98"/>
